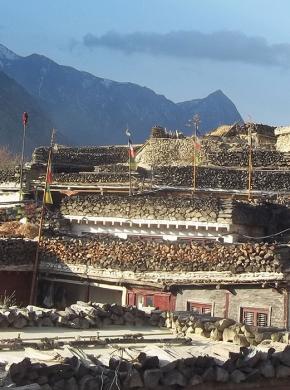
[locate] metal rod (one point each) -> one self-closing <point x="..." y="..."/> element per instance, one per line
<point x="22" y="160"/>
<point x="33" y="289"/>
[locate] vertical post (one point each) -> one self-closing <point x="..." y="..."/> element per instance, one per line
<point x="195" y="121"/>
<point x="33" y="289"/>
<point x="130" y="178"/>
<point x="22" y="159"/>
<point x="250" y="166"/>
<point x="194" y="159"/>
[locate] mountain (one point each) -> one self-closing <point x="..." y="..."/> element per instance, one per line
<point x="14" y="100"/>
<point x="92" y="110"/>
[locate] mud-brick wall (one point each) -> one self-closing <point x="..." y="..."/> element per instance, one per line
<point x="229" y="303"/>
<point x="20" y="282"/>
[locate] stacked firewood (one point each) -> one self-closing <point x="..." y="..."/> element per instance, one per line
<point x="147" y="255"/>
<point x="219" y="178"/>
<point x="189" y="324"/>
<point x="16" y="251"/>
<point x="227" y="179"/>
<point x="90" y="178"/>
<point x="240" y="158"/>
<point x="146" y="372"/>
<point x="9" y="175"/>
<point x="81" y="315"/>
<point x="145" y="207"/>
<point x="108" y="252"/>
<point x="83" y="155"/>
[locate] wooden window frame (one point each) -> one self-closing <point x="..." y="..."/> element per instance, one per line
<point x="200" y="306"/>
<point x="255" y="311"/>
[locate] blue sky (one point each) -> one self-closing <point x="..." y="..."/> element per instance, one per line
<point x="183" y="49"/>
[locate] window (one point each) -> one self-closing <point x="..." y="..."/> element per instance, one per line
<point x="149" y="300"/>
<point x="254" y="316"/>
<point x="199" y="308"/>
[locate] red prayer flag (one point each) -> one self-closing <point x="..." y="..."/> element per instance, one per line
<point x="24" y="118"/>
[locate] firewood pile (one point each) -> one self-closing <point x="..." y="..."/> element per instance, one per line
<point x="94" y="178"/>
<point x="240" y="158"/>
<point x="148" y="372"/>
<point x="222" y="329"/>
<point x="16" y="251"/>
<point x="145" y="207"/>
<point x="108" y="252"/>
<point x="226" y="179"/>
<point x="261" y="214"/>
<point x="90" y="156"/>
<point x="16" y="229"/>
<point x="9" y="176"/>
<point x="113" y="168"/>
<point x="81" y="315"/>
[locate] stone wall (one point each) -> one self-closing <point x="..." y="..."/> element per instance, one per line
<point x="238" y="297"/>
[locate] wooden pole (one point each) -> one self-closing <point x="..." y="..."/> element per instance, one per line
<point x="22" y="160"/>
<point x="33" y="290"/>
<point x="130" y="178"/>
<point x="250" y="166"/>
<point x="194" y="159"/>
<point x="195" y="122"/>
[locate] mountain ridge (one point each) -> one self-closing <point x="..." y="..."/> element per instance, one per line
<point x="93" y="110"/>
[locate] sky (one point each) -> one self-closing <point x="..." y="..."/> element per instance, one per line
<point x="183" y="49"/>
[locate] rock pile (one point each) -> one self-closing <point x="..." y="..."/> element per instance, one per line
<point x="146" y="207"/>
<point x="165" y="152"/>
<point x="148" y="255"/>
<point x="148" y="372"/>
<point x="81" y="315"/>
<point x="223" y="329"/>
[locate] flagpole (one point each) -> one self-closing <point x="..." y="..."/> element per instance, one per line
<point x="24" y="121"/>
<point x="33" y="289"/>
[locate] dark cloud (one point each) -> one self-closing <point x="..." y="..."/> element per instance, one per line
<point x="221" y="46"/>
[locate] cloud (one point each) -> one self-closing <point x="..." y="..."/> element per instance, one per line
<point x="220" y="46"/>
